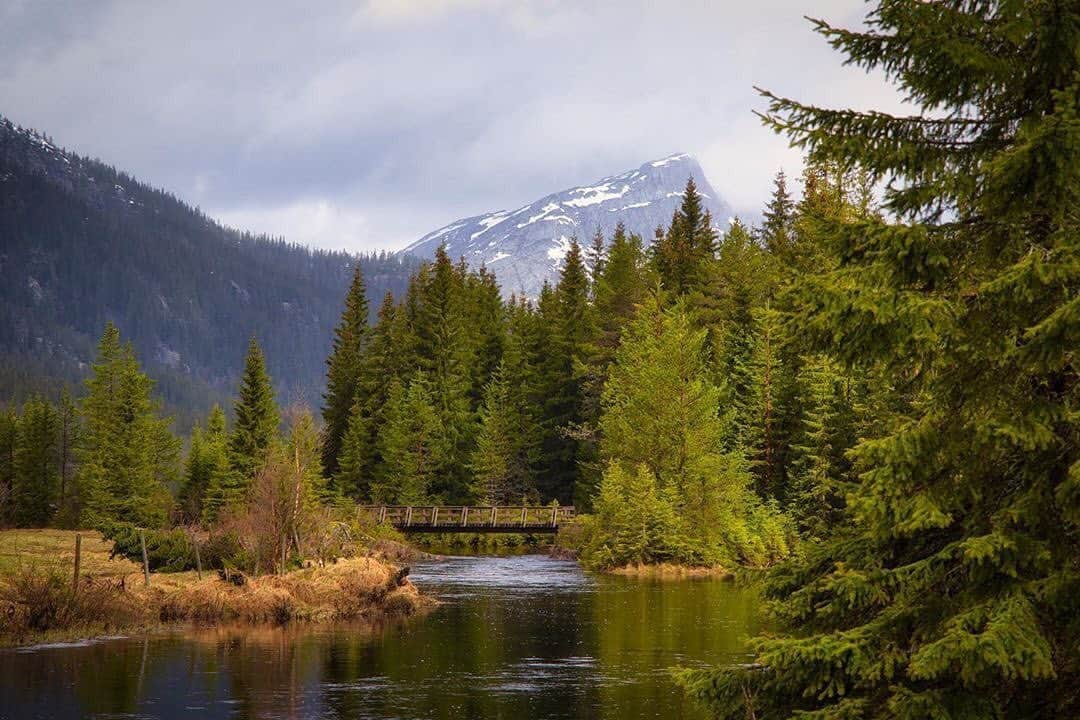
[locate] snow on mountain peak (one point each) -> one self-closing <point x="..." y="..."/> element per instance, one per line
<point x="526" y="246"/>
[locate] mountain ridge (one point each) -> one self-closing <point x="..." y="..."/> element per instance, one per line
<point x="85" y="243"/>
<point x="524" y="247"/>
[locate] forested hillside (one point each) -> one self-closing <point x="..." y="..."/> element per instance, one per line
<point x="83" y="243"/>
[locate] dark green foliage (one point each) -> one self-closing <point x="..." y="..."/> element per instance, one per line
<point x="949" y="587"/>
<point x="127" y="454"/>
<point x="778" y="221"/>
<point x="36" y="487"/>
<point x="681" y="256"/>
<point x="505" y="454"/>
<point x="256" y="415"/>
<point x="166" y="550"/>
<point x="414" y="446"/>
<point x="343" y="372"/>
<point x="570" y="345"/>
<point x="210" y="482"/>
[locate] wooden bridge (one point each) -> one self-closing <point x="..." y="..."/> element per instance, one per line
<point x="470" y="519"/>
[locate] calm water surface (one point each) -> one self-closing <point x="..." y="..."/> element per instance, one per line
<point x="515" y="637"/>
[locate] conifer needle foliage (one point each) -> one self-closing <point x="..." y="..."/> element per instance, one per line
<point x="950" y="588"/>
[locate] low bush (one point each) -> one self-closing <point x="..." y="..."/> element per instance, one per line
<point x="166" y="550"/>
<point x="37" y="602"/>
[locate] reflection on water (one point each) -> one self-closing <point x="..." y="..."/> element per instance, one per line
<point x="516" y="637"/>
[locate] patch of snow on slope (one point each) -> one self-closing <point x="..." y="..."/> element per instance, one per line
<point x="489" y="222"/>
<point x="498" y="256"/>
<point x="550" y="207"/>
<point x="596" y="195"/>
<point x="558" y="251"/>
<point x="631" y="206"/>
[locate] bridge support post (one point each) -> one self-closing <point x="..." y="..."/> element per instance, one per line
<point x="494" y="510"/>
<point x="555" y="516"/>
<point x="435" y="517"/>
<point x="382" y="514"/>
<point x="408" y="516"/>
<point x="524" y="510"/>
<point x="464" y="516"/>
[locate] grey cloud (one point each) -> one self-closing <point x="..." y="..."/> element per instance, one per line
<point x="366" y="125"/>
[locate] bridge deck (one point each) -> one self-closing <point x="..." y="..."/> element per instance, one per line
<point x="470" y="518"/>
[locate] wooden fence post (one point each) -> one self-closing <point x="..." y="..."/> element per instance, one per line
<point x="145" y="560"/>
<point x="78" y="562"/>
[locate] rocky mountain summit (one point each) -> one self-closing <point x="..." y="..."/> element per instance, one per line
<point x="526" y="246"/>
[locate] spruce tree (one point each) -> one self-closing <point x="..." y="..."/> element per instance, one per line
<point x="595" y="258"/>
<point x="660" y="414"/>
<point x="343" y="371"/>
<point x="443" y="352"/>
<point x="210" y="482"/>
<point x="779" y="215"/>
<point x="682" y="254"/>
<point x="37" y="478"/>
<point x="413" y="445"/>
<point x="572" y="330"/>
<point x="256" y="416"/>
<point x="504" y="455"/>
<point x="950" y="587"/>
<point x="357" y="466"/>
<point x="68" y="437"/>
<point x="127" y="456"/>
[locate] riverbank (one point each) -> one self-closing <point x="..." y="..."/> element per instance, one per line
<point x="39" y="604"/>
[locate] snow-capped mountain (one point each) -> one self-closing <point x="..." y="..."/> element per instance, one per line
<point x="526" y="246"/>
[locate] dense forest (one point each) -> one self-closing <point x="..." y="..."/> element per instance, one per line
<point x="84" y="244"/>
<point x="874" y="394"/>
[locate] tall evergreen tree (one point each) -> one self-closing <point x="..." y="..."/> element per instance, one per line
<point x="596" y="257"/>
<point x="660" y="414"/>
<point x="681" y="256"/>
<point x="343" y="371"/>
<point x="37" y="477"/>
<point x="413" y="445"/>
<point x="778" y="218"/>
<point x="127" y="455"/>
<point x="68" y="436"/>
<point x="504" y="456"/>
<point x="256" y="416"/>
<point x="444" y="353"/>
<point x="950" y="588"/>
<point x="572" y="329"/>
<point x="210" y="481"/>
<point x="383" y="362"/>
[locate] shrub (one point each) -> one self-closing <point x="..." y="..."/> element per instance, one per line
<point x="38" y="602"/>
<point x="166" y="550"/>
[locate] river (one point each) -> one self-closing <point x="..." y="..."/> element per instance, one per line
<point x="514" y="637"/>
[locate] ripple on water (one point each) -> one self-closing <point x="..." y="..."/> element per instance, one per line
<point x="463" y="576"/>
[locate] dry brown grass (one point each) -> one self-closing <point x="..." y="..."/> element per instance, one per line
<point x="54" y="550"/>
<point x="669" y="571"/>
<point x="36" y="599"/>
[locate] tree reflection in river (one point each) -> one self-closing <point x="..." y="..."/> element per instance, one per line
<point x="523" y="637"/>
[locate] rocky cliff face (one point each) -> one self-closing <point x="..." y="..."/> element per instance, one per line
<point x="526" y="246"/>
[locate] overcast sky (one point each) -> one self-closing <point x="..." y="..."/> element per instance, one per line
<point x="364" y="125"/>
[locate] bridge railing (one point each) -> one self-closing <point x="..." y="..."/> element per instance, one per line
<point x="459" y="517"/>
